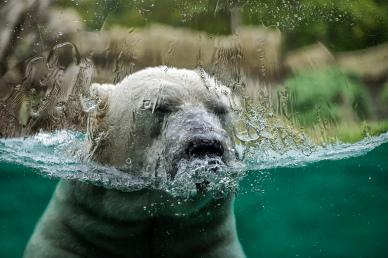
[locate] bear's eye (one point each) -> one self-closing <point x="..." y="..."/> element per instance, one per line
<point x="217" y="107"/>
<point x="163" y="108"/>
<point x="220" y="110"/>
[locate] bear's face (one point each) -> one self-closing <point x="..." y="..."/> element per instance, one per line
<point x="157" y="119"/>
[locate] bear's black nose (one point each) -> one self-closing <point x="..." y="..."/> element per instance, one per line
<point x="204" y="147"/>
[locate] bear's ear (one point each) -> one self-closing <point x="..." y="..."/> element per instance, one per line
<point x="100" y="95"/>
<point x="97" y="106"/>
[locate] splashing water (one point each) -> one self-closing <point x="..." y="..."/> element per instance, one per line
<point x="266" y="159"/>
<point x="61" y="154"/>
<point x="212" y="172"/>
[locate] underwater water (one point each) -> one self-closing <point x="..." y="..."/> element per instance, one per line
<point x="329" y="208"/>
<point x="331" y="203"/>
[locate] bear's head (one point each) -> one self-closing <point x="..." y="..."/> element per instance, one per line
<point x="159" y="118"/>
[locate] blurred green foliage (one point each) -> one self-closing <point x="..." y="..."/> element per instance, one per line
<point x="327" y="96"/>
<point x="339" y="24"/>
<point x="352" y="133"/>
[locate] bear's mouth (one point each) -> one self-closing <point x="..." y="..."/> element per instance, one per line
<point x="201" y="157"/>
<point x="202" y="148"/>
<point x="208" y="152"/>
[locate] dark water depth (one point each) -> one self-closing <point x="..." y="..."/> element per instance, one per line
<point x="330" y="208"/>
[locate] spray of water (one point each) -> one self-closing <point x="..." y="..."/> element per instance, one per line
<point x="59" y="155"/>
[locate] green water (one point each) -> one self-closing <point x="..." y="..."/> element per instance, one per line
<point x="326" y="209"/>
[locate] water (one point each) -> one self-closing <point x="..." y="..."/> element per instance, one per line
<point x="330" y="208"/>
<point x="329" y="203"/>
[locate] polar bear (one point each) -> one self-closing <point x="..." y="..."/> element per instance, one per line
<point x="146" y="125"/>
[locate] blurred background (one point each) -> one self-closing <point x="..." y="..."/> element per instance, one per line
<point x="321" y="65"/>
<point x="326" y="61"/>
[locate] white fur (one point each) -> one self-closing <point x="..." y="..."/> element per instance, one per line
<point x="131" y="123"/>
